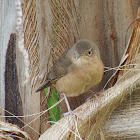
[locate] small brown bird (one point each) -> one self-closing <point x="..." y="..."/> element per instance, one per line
<point x="77" y="69"/>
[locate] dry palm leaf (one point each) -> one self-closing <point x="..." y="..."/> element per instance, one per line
<point x="9" y="132"/>
<point x="93" y="114"/>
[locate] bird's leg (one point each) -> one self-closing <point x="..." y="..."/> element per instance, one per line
<point x="68" y="107"/>
<point x="73" y="114"/>
<point x="67" y="103"/>
<point x="95" y="94"/>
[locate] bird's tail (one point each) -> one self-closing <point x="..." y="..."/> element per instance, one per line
<point x="44" y="85"/>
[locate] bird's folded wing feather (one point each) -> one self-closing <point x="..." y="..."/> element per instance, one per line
<point x="58" y="70"/>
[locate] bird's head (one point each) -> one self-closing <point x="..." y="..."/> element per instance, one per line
<point x="86" y="49"/>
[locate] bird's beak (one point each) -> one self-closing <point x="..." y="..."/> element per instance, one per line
<point x="78" y="55"/>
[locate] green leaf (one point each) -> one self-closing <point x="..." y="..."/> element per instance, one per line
<point x="54" y="113"/>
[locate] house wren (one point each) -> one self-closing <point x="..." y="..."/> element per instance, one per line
<point x="77" y="70"/>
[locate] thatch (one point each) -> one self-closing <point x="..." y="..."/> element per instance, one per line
<point x="10" y="132"/>
<point x="93" y="114"/>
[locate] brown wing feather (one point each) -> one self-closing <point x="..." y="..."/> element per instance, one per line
<point x="58" y="70"/>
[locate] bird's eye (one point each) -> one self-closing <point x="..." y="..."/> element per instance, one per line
<point x="89" y="52"/>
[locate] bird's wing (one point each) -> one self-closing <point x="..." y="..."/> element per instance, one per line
<point x="58" y="70"/>
<point x="60" y="67"/>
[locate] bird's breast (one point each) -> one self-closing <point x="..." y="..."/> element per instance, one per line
<point x="80" y="78"/>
